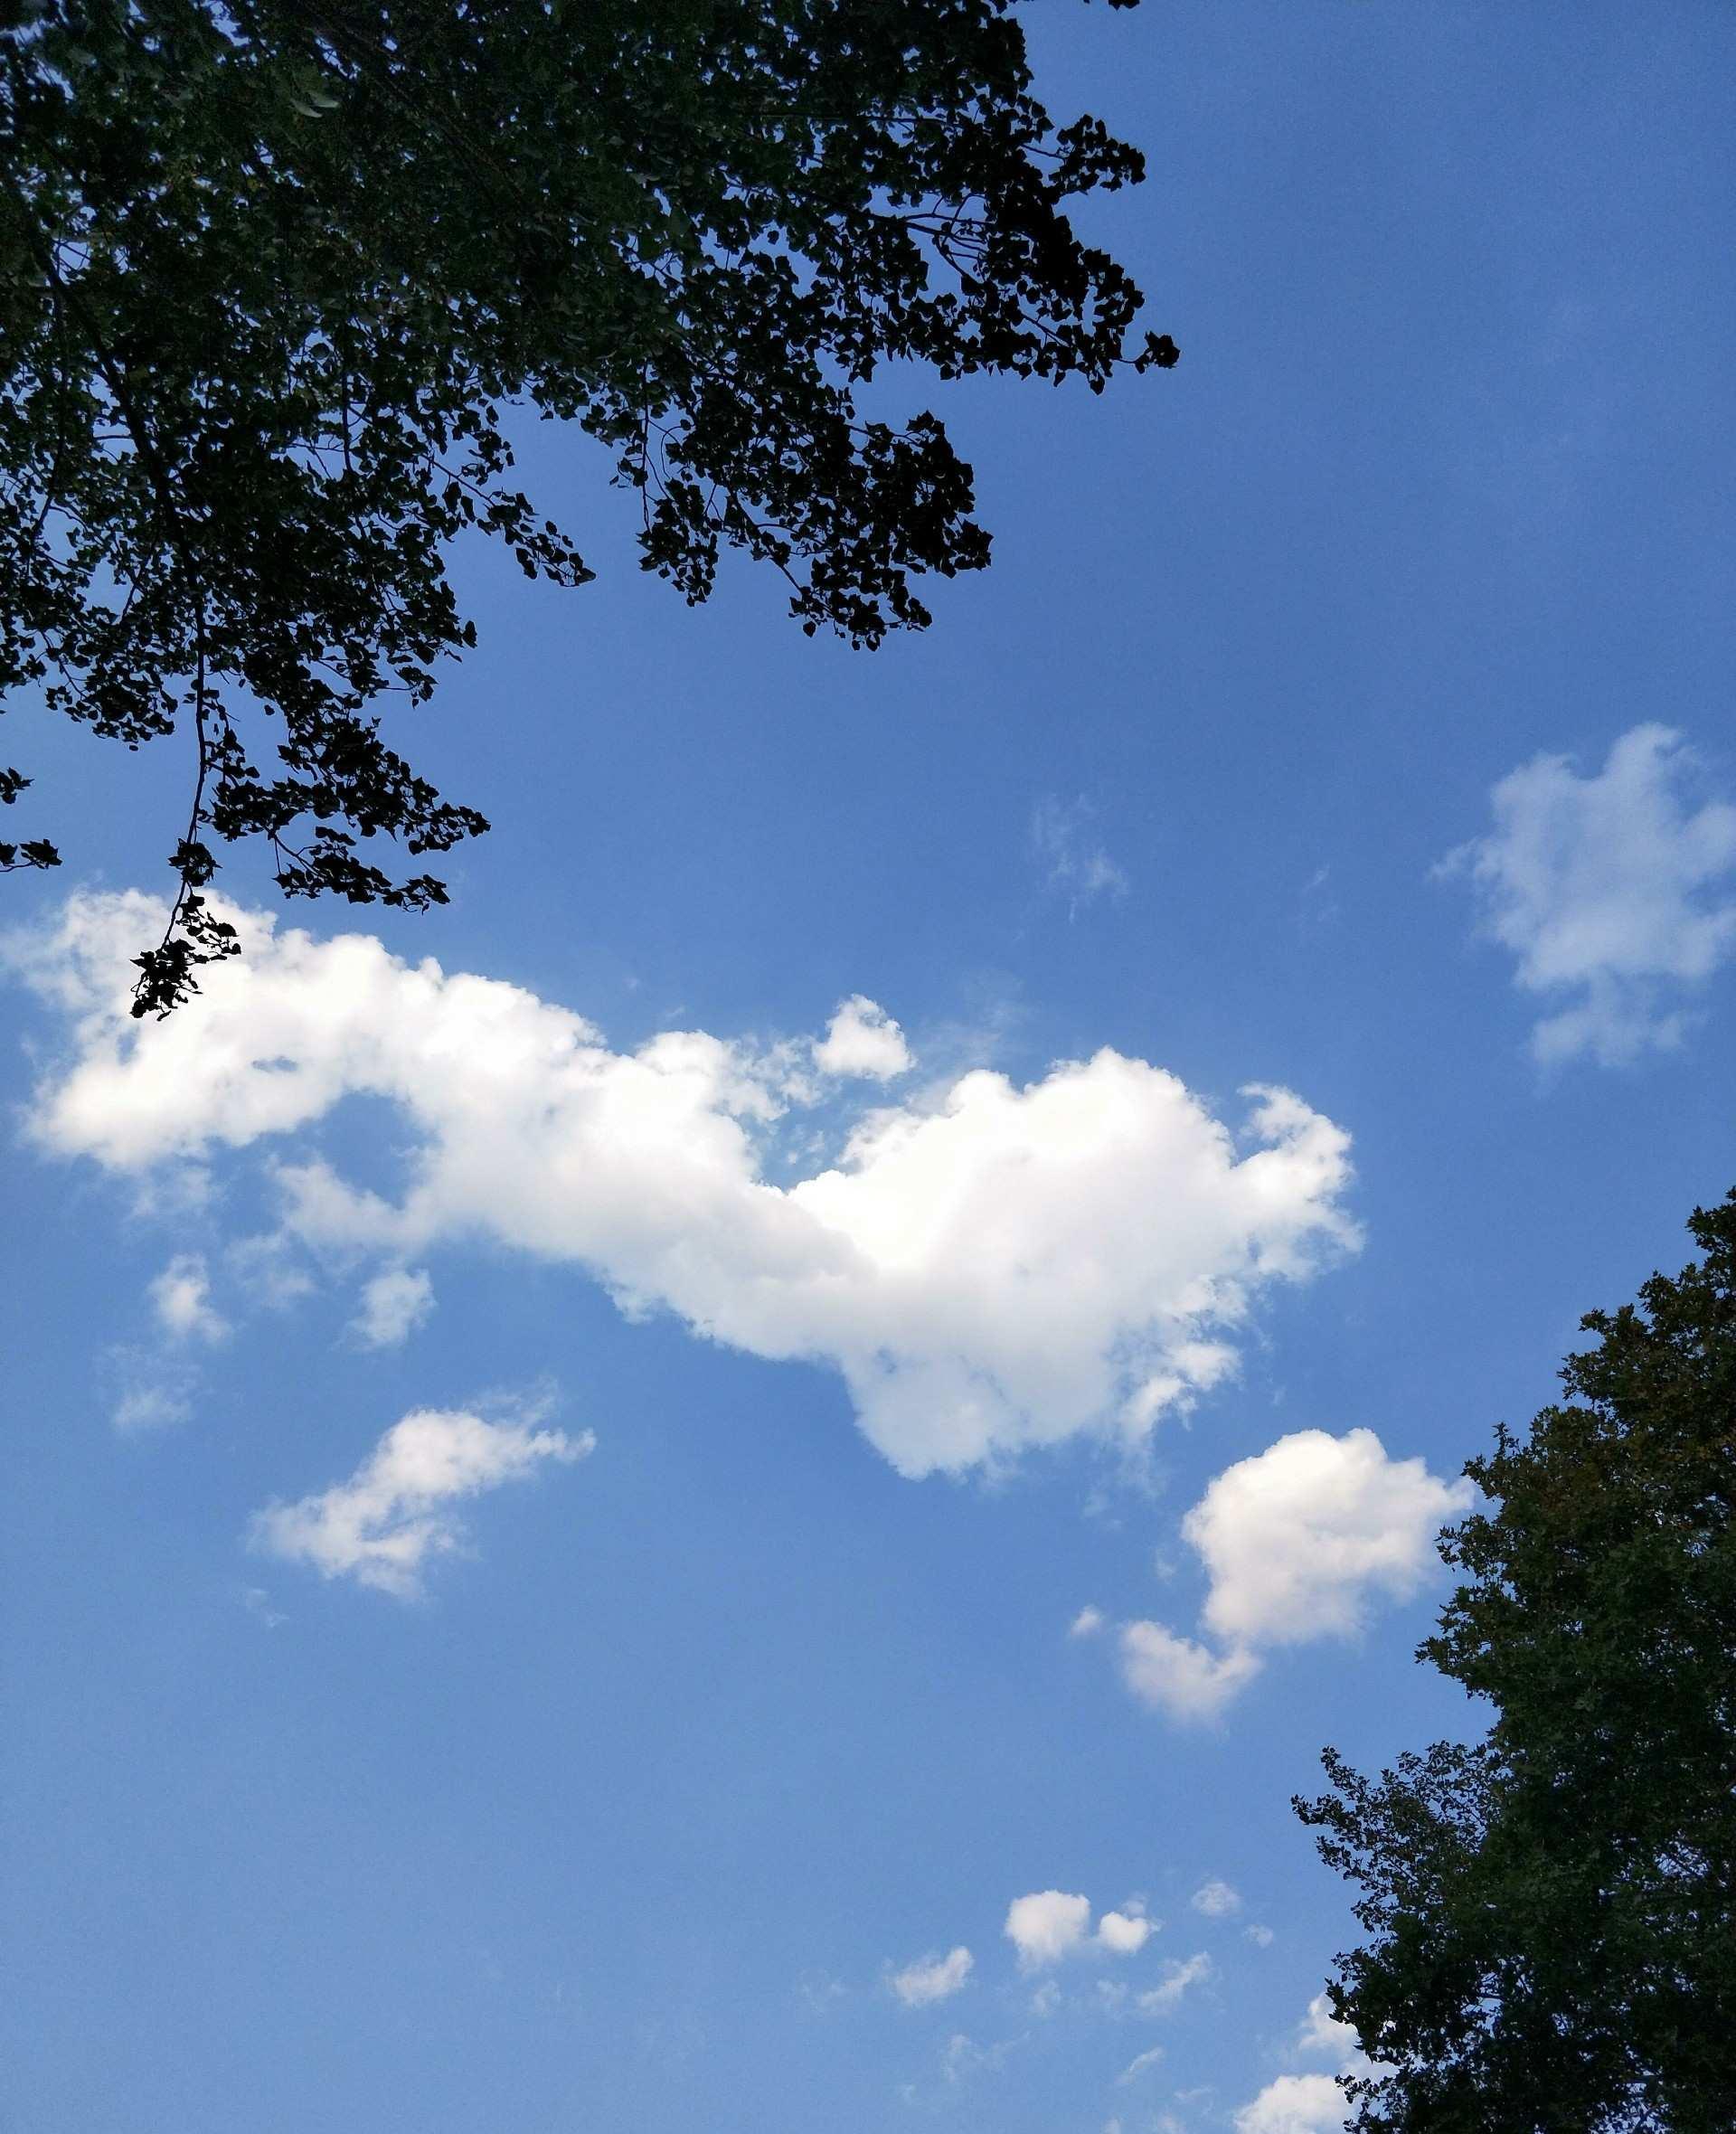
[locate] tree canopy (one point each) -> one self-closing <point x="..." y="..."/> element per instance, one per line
<point x="273" y="272"/>
<point x="1552" y="1910"/>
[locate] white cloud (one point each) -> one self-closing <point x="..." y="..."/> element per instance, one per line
<point x="148" y="1387"/>
<point x="1216" y="1900"/>
<point x="258" y="1602"/>
<point x="1086" y="1623"/>
<point x="822" y="1994"/>
<point x="1296" y="1538"/>
<point x="1320" y="2034"/>
<point x="1141" y="2065"/>
<point x="1604" y="889"/>
<point x="1294" y="1541"/>
<point x="992" y="1269"/>
<point x="1047" y="1925"/>
<point x="1183" y="1677"/>
<point x="393" y="1305"/>
<point x="144" y="1407"/>
<point x="395" y="1512"/>
<point x="1124" y="1934"/>
<point x="1075" y="862"/>
<point x="1179" y="1978"/>
<point x="269" y="1271"/>
<point x="1296" y="2105"/>
<point x="1261" y="1937"/>
<point x="1051" y="1925"/>
<point x="181" y="1297"/>
<point x="962" y="2057"/>
<point x="862" y="1039"/>
<point x="932" y="1978"/>
<point x="1310" y="2103"/>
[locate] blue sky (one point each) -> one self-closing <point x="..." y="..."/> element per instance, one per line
<point x="544" y="1576"/>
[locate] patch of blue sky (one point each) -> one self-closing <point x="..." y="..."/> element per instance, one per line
<point x="693" y="1745"/>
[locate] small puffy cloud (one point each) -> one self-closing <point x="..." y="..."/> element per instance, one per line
<point x="1046" y="1926"/>
<point x="393" y="1305"/>
<point x="1296" y="2105"/>
<point x="932" y="1978"/>
<point x="1296" y="1540"/>
<point x="1607" y="891"/>
<point x="989" y="1267"/>
<point x="1261" y="1937"/>
<point x="1086" y="1623"/>
<point x="1124" y="1934"/>
<point x="1180" y="1977"/>
<point x="1216" y="1900"/>
<point x="1075" y="863"/>
<point x="863" y="1040"/>
<point x="181" y="1297"/>
<point x="1051" y="1925"/>
<point x="397" y="1510"/>
<point x="1180" y="1675"/>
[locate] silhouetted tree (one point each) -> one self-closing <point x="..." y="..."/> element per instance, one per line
<point x="1552" y="1910"/>
<point x="270" y="270"/>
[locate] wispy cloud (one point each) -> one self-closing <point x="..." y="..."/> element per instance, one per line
<point x="1075" y="863"/>
<point x="933" y="1979"/>
<point x="149" y="1403"/>
<point x="258" y="1602"/>
<point x="1180" y="1977"/>
<point x="1142" y="2065"/>
<point x="397" y="1511"/>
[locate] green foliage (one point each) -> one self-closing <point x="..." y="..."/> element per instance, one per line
<point x="1552" y="1912"/>
<point x="270" y="271"/>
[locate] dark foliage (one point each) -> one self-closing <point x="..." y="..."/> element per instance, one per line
<point x="1552" y="1912"/>
<point x="270" y="270"/>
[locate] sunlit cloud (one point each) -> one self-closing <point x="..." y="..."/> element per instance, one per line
<point x="990" y="1268"/>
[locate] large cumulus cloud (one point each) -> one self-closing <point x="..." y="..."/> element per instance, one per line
<point x="990" y="1267"/>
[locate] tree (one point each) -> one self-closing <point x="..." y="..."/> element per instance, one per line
<point x="272" y="270"/>
<point x="1552" y="1910"/>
